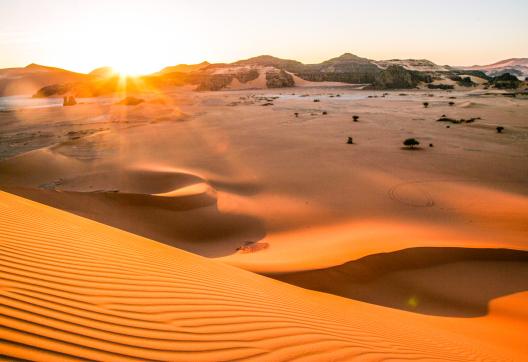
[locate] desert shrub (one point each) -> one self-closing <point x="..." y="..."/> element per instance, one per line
<point x="425" y="104"/>
<point x="355" y="118"/>
<point x="411" y="142"/>
<point x="440" y="86"/>
<point x="500" y="129"/>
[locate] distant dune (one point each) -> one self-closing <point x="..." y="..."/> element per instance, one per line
<point x="515" y="66"/>
<point x="28" y="80"/>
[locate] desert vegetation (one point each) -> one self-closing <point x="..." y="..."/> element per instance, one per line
<point x="411" y="143"/>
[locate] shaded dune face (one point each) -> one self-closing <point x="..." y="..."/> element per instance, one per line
<point x="74" y="289"/>
<point x="177" y="208"/>
<point x="456" y="282"/>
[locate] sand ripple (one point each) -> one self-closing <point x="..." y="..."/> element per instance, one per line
<point x="75" y="289"/>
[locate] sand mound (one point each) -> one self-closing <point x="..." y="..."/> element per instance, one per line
<point x="411" y="194"/>
<point x="468" y="105"/>
<point x="75" y="289"/>
<point x="131" y="181"/>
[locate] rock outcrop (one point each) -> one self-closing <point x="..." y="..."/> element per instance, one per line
<point x="214" y="82"/>
<point x="506" y="81"/>
<point x="69" y="101"/>
<point x="218" y="81"/>
<point x="53" y="90"/>
<point x="397" y="77"/>
<point x="279" y="79"/>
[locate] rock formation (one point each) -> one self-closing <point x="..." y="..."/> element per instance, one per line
<point x="69" y="101"/>
<point x="279" y="79"/>
<point x="397" y="77"/>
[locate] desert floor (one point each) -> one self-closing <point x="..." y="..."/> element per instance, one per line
<point x="399" y="253"/>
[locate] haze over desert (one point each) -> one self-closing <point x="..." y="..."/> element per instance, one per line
<point x="263" y="207"/>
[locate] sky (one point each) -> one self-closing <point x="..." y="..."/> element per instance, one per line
<point x="145" y="36"/>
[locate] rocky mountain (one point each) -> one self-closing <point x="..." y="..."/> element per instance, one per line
<point x="270" y="61"/>
<point x="420" y="65"/>
<point x="184" y="68"/>
<point x="347" y="68"/>
<point x="514" y="66"/>
<point x="397" y="77"/>
<point x="259" y="72"/>
<point x="262" y="72"/>
<point x="28" y="80"/>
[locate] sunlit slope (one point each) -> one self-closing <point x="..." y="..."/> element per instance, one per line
<point x="72" y="288"/>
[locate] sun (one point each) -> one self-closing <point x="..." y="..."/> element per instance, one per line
<point x="128" y="70"/>
<point x="132" y="63"/>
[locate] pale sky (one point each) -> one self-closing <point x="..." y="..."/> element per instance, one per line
<point x="145" y="36"/>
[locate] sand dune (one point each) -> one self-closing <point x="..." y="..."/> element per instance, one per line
<point x="75" y="289"/>
<point x="441" y="281"/>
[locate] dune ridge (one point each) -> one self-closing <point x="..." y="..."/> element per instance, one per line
<point x="75" y="289"/>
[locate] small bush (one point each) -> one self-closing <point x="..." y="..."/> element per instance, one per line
<point x="411" y="142"/>
<point x="500" y="129"/>
<point x="425" y="104"/>
<point x="440" y="86"/>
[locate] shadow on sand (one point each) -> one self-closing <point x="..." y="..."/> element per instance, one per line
<point x="189" y="222"/>
<point x="455" y="282"/>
